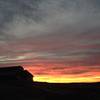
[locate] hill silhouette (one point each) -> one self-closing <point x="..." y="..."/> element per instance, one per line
<point x="17" y="84"/>
<point x="15" y="73"/>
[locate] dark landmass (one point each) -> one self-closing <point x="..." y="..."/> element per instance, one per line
<point x="17" y="84"/>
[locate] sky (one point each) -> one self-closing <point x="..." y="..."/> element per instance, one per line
<point x="56" y="40"/>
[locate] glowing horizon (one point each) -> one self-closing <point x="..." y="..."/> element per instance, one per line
<point x="61" y="79"/>
<point x="56" y="77"/>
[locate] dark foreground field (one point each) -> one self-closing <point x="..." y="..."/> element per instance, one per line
<point x="16" y="84"/>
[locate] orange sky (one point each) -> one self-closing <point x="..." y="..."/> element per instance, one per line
<point x="64" y="74"/>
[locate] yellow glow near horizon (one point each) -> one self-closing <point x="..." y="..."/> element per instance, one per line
<point x="54" y="79"/>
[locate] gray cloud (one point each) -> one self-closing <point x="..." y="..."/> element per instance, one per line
<point x="60" y="31"/>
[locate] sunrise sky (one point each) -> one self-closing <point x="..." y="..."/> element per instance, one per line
<point x="56" y="40"/>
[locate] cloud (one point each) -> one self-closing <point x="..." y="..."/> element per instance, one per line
<point x="53" y="32"/>
<point x="49" y="17"/>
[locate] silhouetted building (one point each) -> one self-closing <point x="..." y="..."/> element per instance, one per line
<point x="15" y="73"/>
